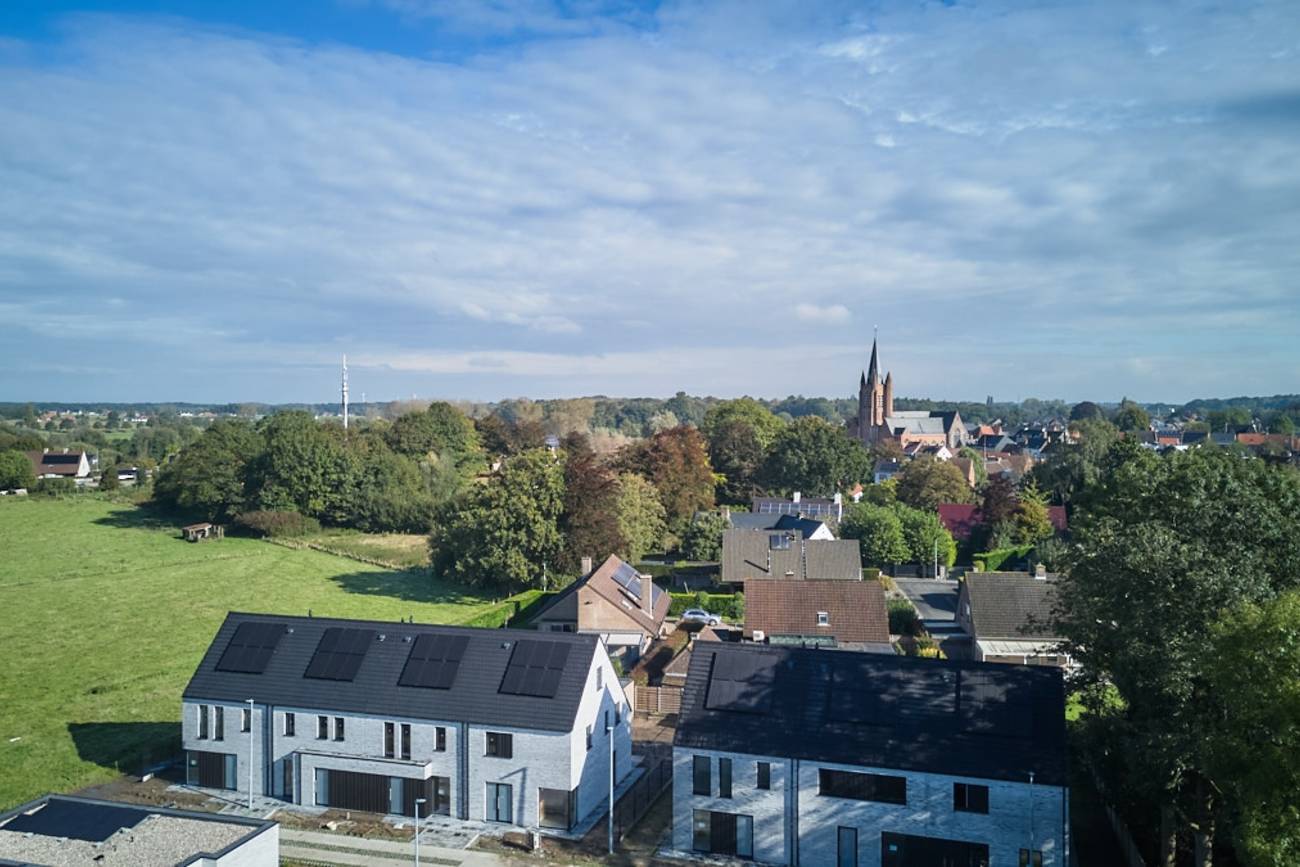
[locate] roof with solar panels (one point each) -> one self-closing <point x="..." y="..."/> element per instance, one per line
<point x="504" y="677"/>
<point x="904" y="713"/>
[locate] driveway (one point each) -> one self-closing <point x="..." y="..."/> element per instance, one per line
<point x="934" y="599"/>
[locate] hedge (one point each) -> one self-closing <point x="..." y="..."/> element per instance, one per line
<point x="992" y="561"/>
<point x="729" y="606"/>
<point x="903" y="619"/>
<point x="510" y="609"/>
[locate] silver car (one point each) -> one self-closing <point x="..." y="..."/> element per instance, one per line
<point x="699" y="615"/>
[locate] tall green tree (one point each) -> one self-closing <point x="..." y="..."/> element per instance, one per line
<point x="1281" y="424"/>
<point x="15" y="471"/>
<point x="1162" y="544"/>
<point x="504" y="534"/>
<point x="1070" y="467"/>
<point x="212" y="476"/>
<point x="926" y="537"/>
<point x="590" y="518"/>
<point x="739" y="433"/>
<point x="304" y="468"/>
<point x="925" y="482"/>
<point x="879" y="533"/>
<point x="442" y="429"/>
<point x="676" y="462"/>
<point x="1254" y="752"/>
<point x="1131" y="418"/>
<point x="703" y="538"/>
<point x="815" y="457"/>
<point x="641" y="516"/>
<point x="1033" y="524"/>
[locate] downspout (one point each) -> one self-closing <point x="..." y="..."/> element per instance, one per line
<point x="463" y="764"/>
<point x="792" y="824"/>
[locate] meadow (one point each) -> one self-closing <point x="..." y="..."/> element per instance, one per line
<point x="105" y="612"/>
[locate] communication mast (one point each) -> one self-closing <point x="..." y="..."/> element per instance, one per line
<point x="345" y="392"/>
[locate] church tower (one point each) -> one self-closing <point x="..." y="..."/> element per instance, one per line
<point x="875" y="400"/>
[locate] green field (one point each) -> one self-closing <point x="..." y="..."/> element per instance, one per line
<point x="105" y="612"/>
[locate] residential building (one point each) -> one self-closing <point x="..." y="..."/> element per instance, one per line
<point x="61" y="465"/>
<point x="1008" y="616"/>
<point x="615" y="602"/>
<point x="821" y="508"/>
<point x="747" y="555"/>
<point x="846" y="614"/>
<point x="812" y="757"/>
<point x="495" y="725"/>
<point x="811" y="528"/>
<point x="59" y="830"/>
<point x="886" y="469"/>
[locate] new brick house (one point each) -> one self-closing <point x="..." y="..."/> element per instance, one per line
<point x="488" y="724"/>
<point x="814" y="757"/>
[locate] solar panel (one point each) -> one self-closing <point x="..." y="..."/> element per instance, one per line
<point x="77" y="820"/>
<point x="250" y="648"/>
<point x="741" y="682"/>
<point x="996" y="703"/>
<point x="871" y="696"/>
<point x="535" y="668"/>
<point x="629" y="579"/>
<point x="434" y="661"/>
<point x="339" y="654"/>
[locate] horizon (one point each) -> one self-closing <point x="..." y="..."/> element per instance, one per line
<point x="623" y="197"/>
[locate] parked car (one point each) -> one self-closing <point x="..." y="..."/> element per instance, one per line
<point x="699" y="615"/>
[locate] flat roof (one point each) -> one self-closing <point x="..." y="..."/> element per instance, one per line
<point x="59" y="830"/>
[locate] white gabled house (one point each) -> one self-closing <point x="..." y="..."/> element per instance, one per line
<point x="495" y="725"/>
<point x="816" y="757"/>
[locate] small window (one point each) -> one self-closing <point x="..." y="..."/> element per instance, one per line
<point x="764" y="775"/>
<point x="440" y="740"/>
<point x="338" y="728"/>
<point x="618" y="714"/>
<point x="218" y="723"/>
<point x="322" y="728"/>
<point x="823" y="618"/>
<point x="245" y="720"/>
<point x="724" y="778"/>
<point x="970" y="798"/>
<point x="607" y="719"/>
<point x="702" y="776"/>
<point x="588" y="737"/>
<point x="600" y="680"/>
<point x="388" y="740"/>
<point x="1031" y="858"/>
<point x="500" y="745"/>
<point x="289" y="723"/>
<point x="778" y="542"/>
<point x="406" y="740"/>
<point x="203" y="722"/>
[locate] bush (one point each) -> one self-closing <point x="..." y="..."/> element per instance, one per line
<point x="277" y="525"/>
<point x="55" y="487"/>
<point x="993" y="561"/>
<point x="903" y="619"/>
<point x="728" y="606"/>
<point x="870" y="573"/>
<point x="504" y="612"/>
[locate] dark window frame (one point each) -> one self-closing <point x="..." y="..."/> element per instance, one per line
<point x="406" y="740"/>
<point x="218" y="723"/>
<point x="763" y="774"/>
<point x="340" y="731"/>
<point x="702" y="776"/>
<point x="724" y="778"/>
<point x="290" y="724"/>
<point x="440" y="739"/>
<point x="245" y="720"/>
<point x="970" y="798"/>
<point x="499" y="745"/>
<point x="389" y="741"/>
<point x="862" y="786"/>
<point x="322" y="728"/>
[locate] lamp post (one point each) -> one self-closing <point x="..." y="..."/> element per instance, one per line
<point x="250" y="752"/>
<point x="609" y="731"/>
<point x="418" y="802"/>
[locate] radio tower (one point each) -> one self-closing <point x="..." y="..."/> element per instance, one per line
<point x="345" y="392"/>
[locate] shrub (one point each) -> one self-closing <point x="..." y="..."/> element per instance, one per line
<point x="903" y="619"/>
<point x="729" y="606"/>
<point x="277" y="525"/>
<point x="55" y="487"/>
<point x="993" y="561"/>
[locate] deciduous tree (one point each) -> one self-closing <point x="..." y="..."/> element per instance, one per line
<point x="15" y="471"/>
<point x="815" y="457"/>
<point x="924" y="483"/>
<point x="641" y="519"/>
<point x="879" y="533"/>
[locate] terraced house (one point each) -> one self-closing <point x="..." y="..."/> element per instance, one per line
<point x="817" y="757"/>
<point x="498" y="725"/>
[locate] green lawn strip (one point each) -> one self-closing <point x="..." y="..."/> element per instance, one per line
<point x="103" y="620"/>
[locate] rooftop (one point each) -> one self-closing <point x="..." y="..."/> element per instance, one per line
<point x="57" y="830"/>
<point x="855" y="610"/>
<point x="965" y="719"/>
<point x="786" y="554"/>
<point x="1012" y="605"/>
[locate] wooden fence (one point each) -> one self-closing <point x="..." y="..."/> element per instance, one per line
<point x="637" y="800"/>
<point x="657" y="700"/>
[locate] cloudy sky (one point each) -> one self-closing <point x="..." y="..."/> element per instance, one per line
<point x="215" y="201"/>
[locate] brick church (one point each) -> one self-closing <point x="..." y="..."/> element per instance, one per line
<point x="878" y="420"/>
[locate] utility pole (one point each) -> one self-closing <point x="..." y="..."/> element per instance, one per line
<point x="936" y="557"/>
<point x="250" y="752"/>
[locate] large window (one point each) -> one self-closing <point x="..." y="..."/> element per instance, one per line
<point x="556" y="808"/>
<point x="322" y="728"/>
<point x="218" y="723"/>
<point x="722" y="833"/>
<point x="764" y="775"/>
<point x="970" y="798"/>
<point x="442" y="796"/>
<point x="388" y="740"/>
<point x="211" y="770"/>
<point x="863" y="787"/>
<point x="499" y="803"/>
<point x="406" y="740"/>
<point x="500" y="744"/>
<point x="203" y="722"/>
<point x="724" y="778"/>
<point x="701" y="773"/>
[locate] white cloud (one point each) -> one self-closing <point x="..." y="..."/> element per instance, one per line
<point x="831" y="314"/>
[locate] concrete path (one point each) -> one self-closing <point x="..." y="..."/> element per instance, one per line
<point x="319" y="847"/>
<point x="934" y="599"/>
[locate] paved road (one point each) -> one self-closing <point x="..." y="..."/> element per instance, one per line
<point x="934" y="599"/>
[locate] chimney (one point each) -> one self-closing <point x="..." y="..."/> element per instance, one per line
<point x="647" y="595"/>
<point x="726" y="513"/>
<point x="795" y="497"/>
<point x="1040" y="572"/>
<point x="586" y="565"/>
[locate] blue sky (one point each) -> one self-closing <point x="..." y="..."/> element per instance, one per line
<point x="215" y="201"/>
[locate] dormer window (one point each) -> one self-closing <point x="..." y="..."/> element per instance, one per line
<point x="779" y="542"/>
<point x="823" y="618"/>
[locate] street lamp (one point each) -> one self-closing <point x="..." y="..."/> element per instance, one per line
<point x="250" y="752"/>
<point x="418" y="802"/>
<point x="609" y="733"/>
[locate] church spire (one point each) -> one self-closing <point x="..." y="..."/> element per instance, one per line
<point x="873" y="373"/>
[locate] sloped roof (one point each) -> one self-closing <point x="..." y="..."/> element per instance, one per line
<point x="970" y="719"/>
<point x="1012" y="605"/>
<point x="806" y="526"/>
<point x="754" y="521"/>
<point x="747" y="555"/>
<point x="855" y="609"/>
<point x="473" y="696"/>
<point x="620" y="584"/>
<point x="63" y="463"/>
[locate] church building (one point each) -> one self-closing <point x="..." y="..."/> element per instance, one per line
<point x="878" y="420"/>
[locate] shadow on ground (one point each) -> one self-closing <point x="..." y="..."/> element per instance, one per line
<point x="127" y="747"/>
<point x="144" y="516"/>
<point x="410" y="585"/>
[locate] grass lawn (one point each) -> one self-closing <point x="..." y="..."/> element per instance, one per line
<point x="105" y="612"/>
<point x="400" y="550"/>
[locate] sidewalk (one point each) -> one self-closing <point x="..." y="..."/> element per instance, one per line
<point x="319" y="847"/>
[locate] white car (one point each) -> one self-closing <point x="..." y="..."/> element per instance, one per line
<point x="699" y="615"/>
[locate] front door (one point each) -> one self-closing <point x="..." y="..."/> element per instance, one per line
<point x="847" y="847"/>
<point x="499" y="803"/>
<point x="722" y="834"/>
